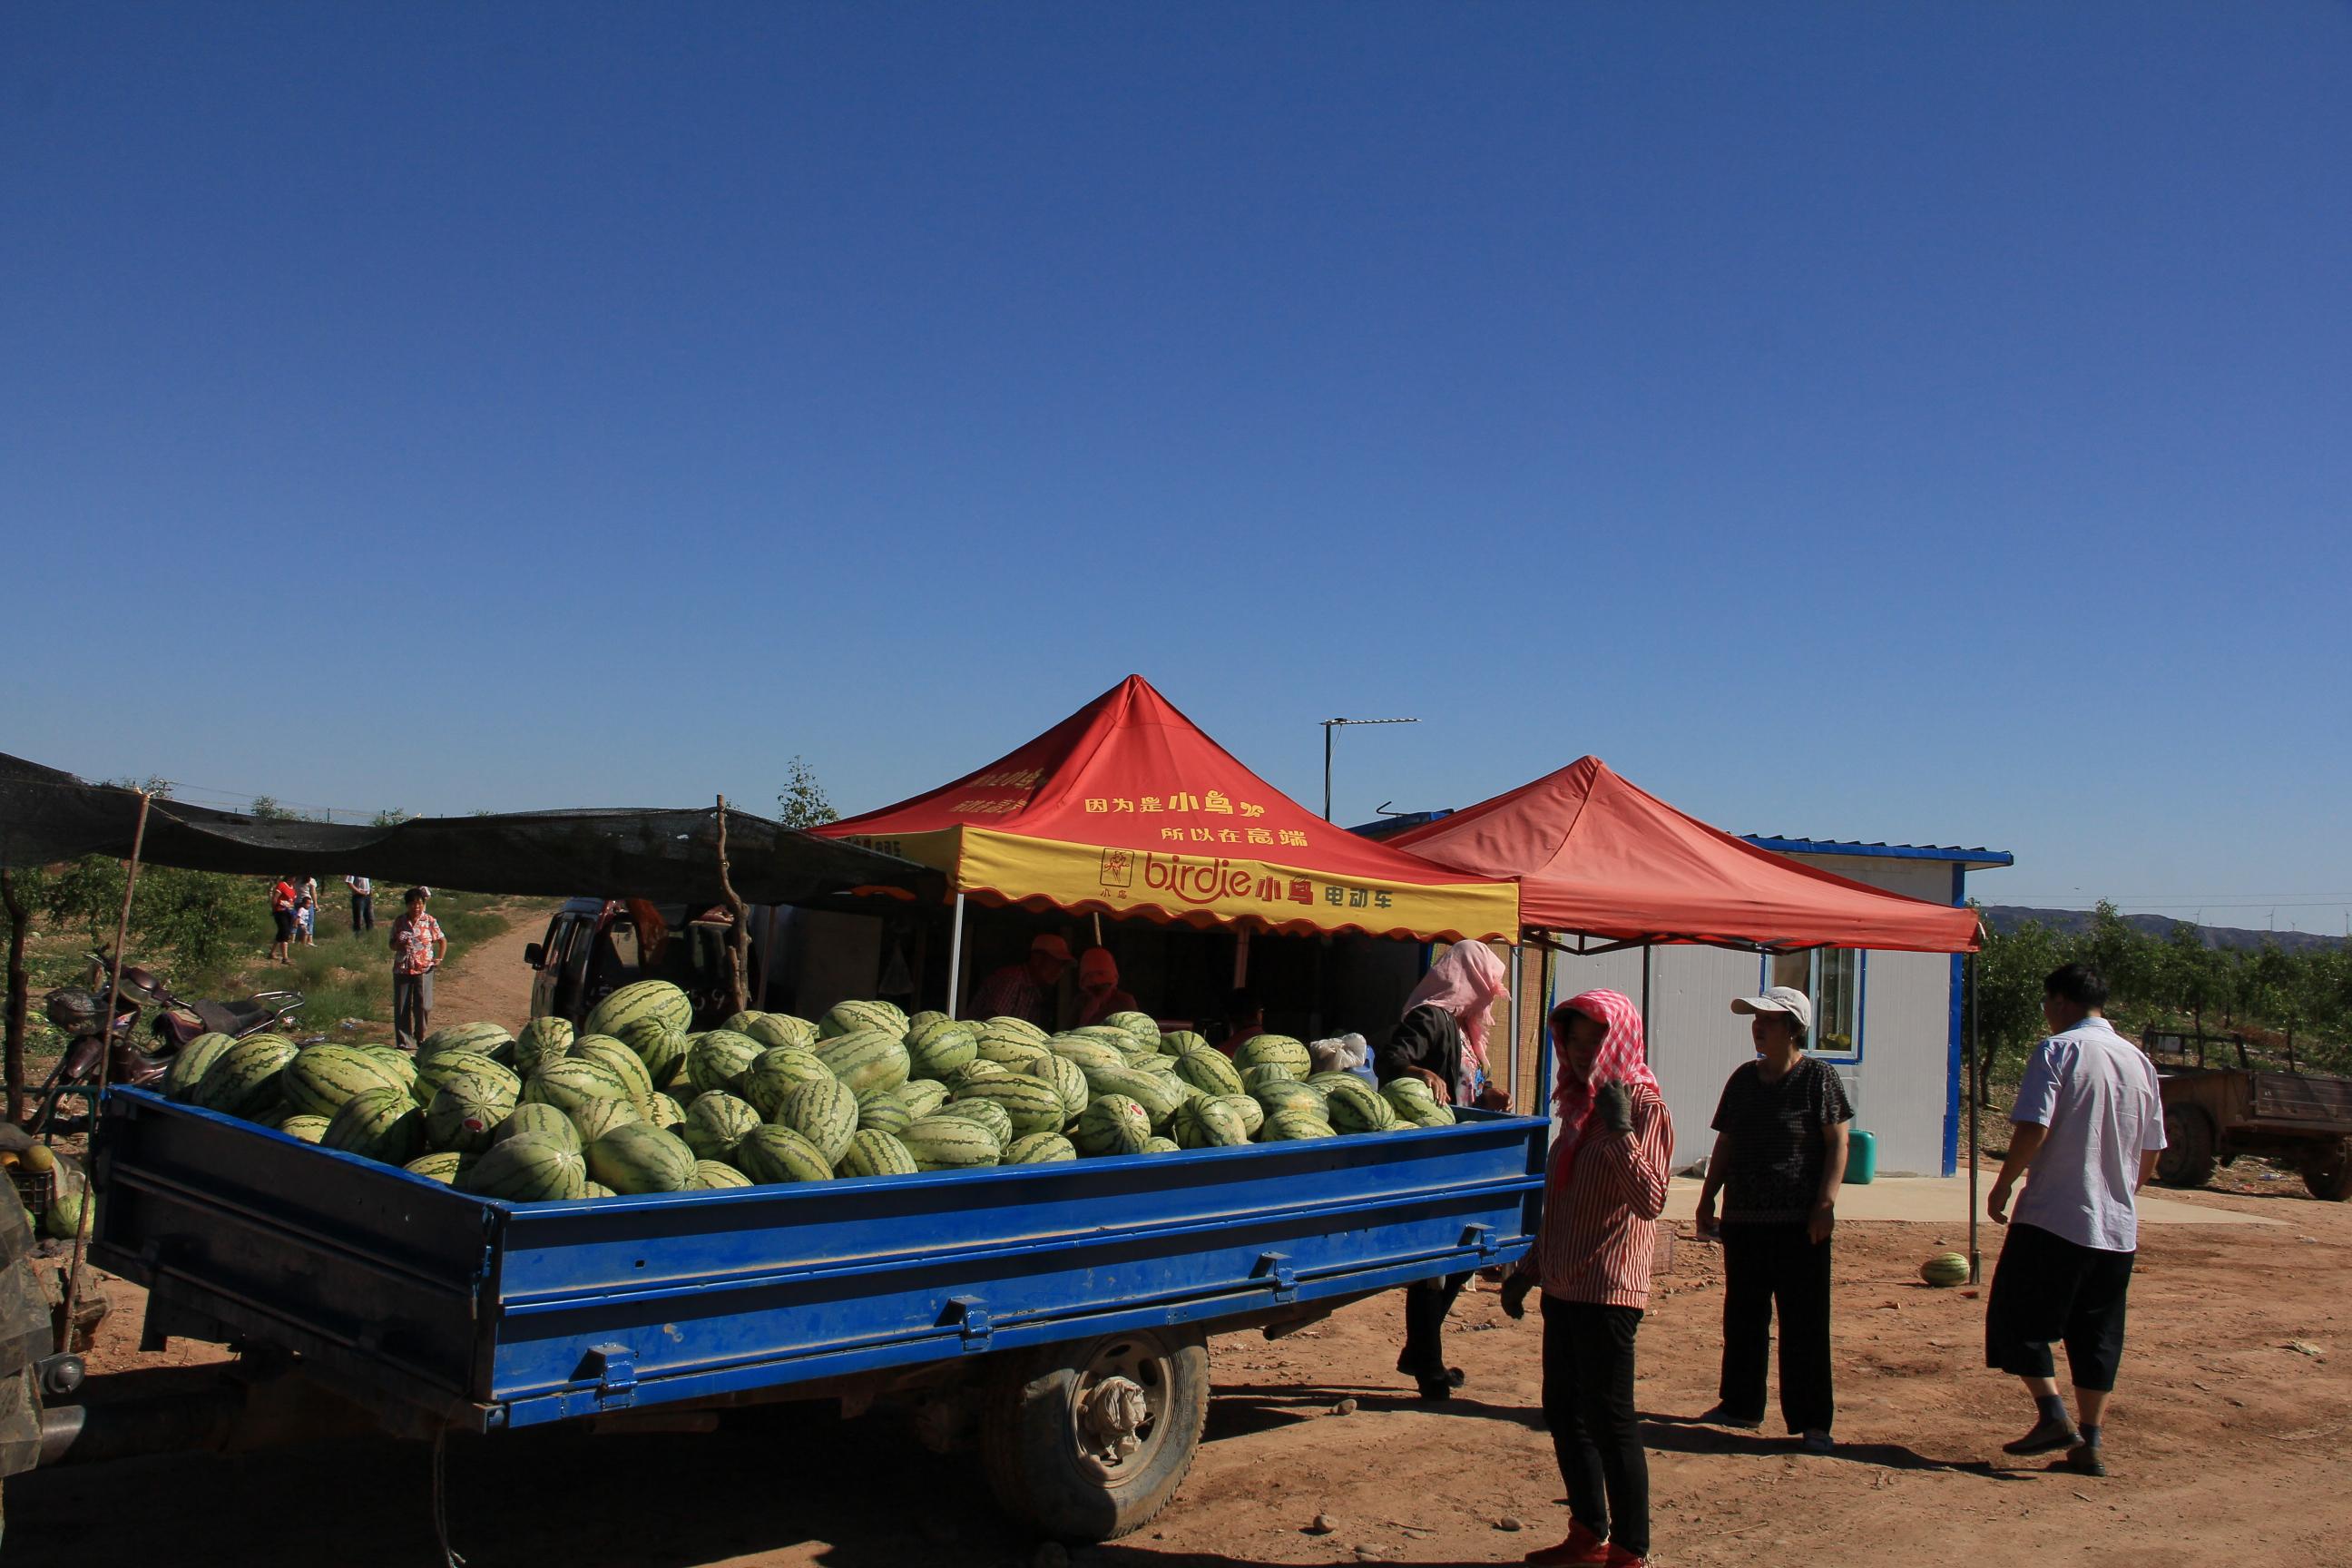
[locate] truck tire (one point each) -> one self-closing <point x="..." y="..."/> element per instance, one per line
<point x="2329" y="1172"/>
<point x="2187" y="1157"/>
<point x="1088" y="1440"/>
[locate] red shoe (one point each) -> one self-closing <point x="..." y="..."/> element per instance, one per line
<point x="1621" y="1558"/>
<point x="1583" y="1549"/>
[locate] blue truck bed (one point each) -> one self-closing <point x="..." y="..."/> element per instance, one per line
<point x="477" y="1313"/>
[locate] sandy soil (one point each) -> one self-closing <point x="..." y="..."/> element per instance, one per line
<point x="2224" y="1442"/>
<point x="487" y="982"/>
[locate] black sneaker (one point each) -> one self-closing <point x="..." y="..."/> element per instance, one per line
<point x="1721" y="1416"/>
<point x="2048" y="1436"/>
<point x="2084" y="1460"/>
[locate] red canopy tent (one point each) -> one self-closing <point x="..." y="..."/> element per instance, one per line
<point x="1597" y="857"/>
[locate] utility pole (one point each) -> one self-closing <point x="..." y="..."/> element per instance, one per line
<point x="1331" y="724"/>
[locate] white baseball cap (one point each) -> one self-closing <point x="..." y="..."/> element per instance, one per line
<point x="1779" y="999"/>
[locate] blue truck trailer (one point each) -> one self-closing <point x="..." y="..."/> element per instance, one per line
<point x="1058" y="1313"/>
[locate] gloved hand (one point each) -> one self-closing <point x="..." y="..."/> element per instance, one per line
<point x="1515" y="1295"/>
<point x="1613" y="1104"/>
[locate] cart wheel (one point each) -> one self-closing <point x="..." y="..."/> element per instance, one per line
<point x="2328" y="1172"/>
<point x="2187" y="1157"/>
<point x="1090" y="1439"/>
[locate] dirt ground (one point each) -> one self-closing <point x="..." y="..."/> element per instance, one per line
<point x="2225" y="1441"/>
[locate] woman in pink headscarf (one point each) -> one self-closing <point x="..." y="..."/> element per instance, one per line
<point x="1441" y="1041"/>
<point x="1604" y="1190"/>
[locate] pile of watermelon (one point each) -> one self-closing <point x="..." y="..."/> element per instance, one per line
<point x="634" y="1103"/>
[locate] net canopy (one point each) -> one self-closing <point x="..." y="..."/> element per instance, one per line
<point x="668" y="856"/>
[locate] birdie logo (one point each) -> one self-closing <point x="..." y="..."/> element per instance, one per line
<point x="1195" y="881"/>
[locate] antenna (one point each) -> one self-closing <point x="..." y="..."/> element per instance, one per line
<point x="1331" y="724"/>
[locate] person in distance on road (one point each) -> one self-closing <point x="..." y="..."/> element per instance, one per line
<point x="417" y="949"/>
<point x="1027" y="989"/>
<point x="1779" y="1157"/>
<point x="2085" y="1134"/>
<point x="1603" y="1192"/>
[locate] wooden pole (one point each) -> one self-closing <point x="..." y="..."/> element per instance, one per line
<point x="105" y="1062"/>
<point x="19" y="918"/>
<point x="955" y="953"/>
<point x="1518" y="974"/>
<point x="739" y="933"/>
<point x="1976" y="1097"/>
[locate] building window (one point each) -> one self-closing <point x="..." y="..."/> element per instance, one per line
<point x="1831" y="977"/>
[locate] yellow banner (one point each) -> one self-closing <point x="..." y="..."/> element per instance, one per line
<point x="1211" y="889"/>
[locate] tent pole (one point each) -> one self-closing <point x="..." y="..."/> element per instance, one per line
<point x="1976" y="1073"/>
<point x="1518" y="973"/>
<point x="105" y="1061"/>
<point x="955" y="952"/>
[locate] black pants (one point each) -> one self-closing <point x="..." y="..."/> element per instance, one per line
<point x="1765" y="1267"/>
<point x="2047" y="1287"/>
<point x="1426" y="1303"/>
<point x="1587" y="1402"/>
<point x="362" y="911"/>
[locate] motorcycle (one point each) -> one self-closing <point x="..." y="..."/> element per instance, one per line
<point x="76" y="1011"/>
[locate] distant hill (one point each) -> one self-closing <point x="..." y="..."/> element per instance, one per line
<point x="2073" y="923"/>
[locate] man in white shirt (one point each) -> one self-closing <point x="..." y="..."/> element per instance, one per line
<point x="363" y="903"/>
<point x="2086" y="1132"/>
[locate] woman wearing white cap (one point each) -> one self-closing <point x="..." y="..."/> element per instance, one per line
<point x="1780" y="1155"/>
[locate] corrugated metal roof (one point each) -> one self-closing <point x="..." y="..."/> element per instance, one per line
<point x="1787" y="845"/>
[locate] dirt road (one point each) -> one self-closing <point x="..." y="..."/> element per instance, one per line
<point x="487" y="982"/>
<point x="2225" y="1445"/>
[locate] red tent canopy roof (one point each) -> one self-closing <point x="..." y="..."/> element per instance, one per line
<point x="1127" y="805"/>
<point x="1598" y="857"/>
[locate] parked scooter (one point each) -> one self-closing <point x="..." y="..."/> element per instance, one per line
<point x="76" y="1010"/>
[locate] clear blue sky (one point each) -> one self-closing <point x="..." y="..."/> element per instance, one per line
<point x="1925" y="423"/>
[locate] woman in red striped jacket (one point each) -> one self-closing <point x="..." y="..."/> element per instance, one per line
<point x="1606" y="1188"/>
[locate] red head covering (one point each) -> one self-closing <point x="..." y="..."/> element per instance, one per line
<point x="1622" y="1060"/>
<point x="1465" y="982"/>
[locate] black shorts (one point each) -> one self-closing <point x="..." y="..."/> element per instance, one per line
<point x="285" y="924"/>
<point x="2047" y="1287"/>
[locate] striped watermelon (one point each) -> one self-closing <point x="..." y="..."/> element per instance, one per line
<point x="378" y="1124"/>
<point x="1292" y="1126"/>
<point x="985" y="1113"/>
<point x="665" y="1113"/>
<point x="1211" y="1124"/>
<point x="716" y="1122"/>
<point x="875" y="1155"/>
<point x="1254" y="1078"/>
<point x="624" y="1063"/>
<point x="596" y="1189"/>
<point x="922" y="1096"/>
<point x="720" y="1058"/>
<point x="461" y="1117"/>
<point x="440" y="1069"/>
<point x="661" y="1049"/>
<point x="866" y="1058"/>
<point x="542" y="1040"/>
<point x="188" y="1069"/>
<point x="973" y="1072"/>
<point x="1206" y="1069"/>
<point x="771" y="1154"/>
<point x="824" y="1113"/>
<point x="640" y="999"/>
<point x="1006" y="1023"/>
<point x="777" y="1073"/>
<point x="307" y="1127"/>
<point x="773" y="1029"/>
<point x="1413" y="1102"/>
<point x="1355" y="1106"/>
<point x="1274" y="1050"/>
<point x="1069" y="1081"/>
<point x="862" y="1017"/>
<point x="741" y="1022"/>
<point x="711" y="1175"/>
<point x="571" y="1082"/>
<point x="1031" y="1104"/>
<point x="881" y="1110"/>
<point x="318" y="1079"/>
<point x="594" y="1118"/>
<point x="1087" y="1051"/>
<point x="1183" y="1040"/>
<point x="1039" y="1149"/>
<point x="546" y="1120"/>
<point x="935" y="1050"/>
<point x="444" y="1167"/>
<point x="641" y="1158"/>
<point x="395" y="1061"/>
<point x="243" y="1078"/>
<point x="1142" y="1026"/>
<point x="1156" y="1145"/>
<point x="482" y="1040"/>
<point x="1159" y="1095"/>
<point x="950" y="1143"/>
<point x="1252" y="1113"/>
<point x="528" y="1169"/>
<point x="917" y="1022"/>
<point x="1113" y="1124"/>
<point x="1289" y="1094"/>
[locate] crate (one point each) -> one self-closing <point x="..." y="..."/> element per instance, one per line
<point x="37" y="1190"/>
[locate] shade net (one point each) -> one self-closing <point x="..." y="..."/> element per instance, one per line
<point x="46" y="817"/>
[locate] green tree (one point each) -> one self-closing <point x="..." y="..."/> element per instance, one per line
<point x="2010" y="973"/>
<point x="802" y="802"/>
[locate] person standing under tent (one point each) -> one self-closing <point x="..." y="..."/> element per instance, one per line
<point x="2086" y="1132"/>
<point x="1244" y="1020"/>
<point x="417" y="949"/>
<point x="1779" y="1160"/>
<point x="1603" y="1191"/>
<point x="1025" y="989"/>
<point x="363" y="903"/>
<point x="1441" y="1041"/>
<point x="1099" y="993"/>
